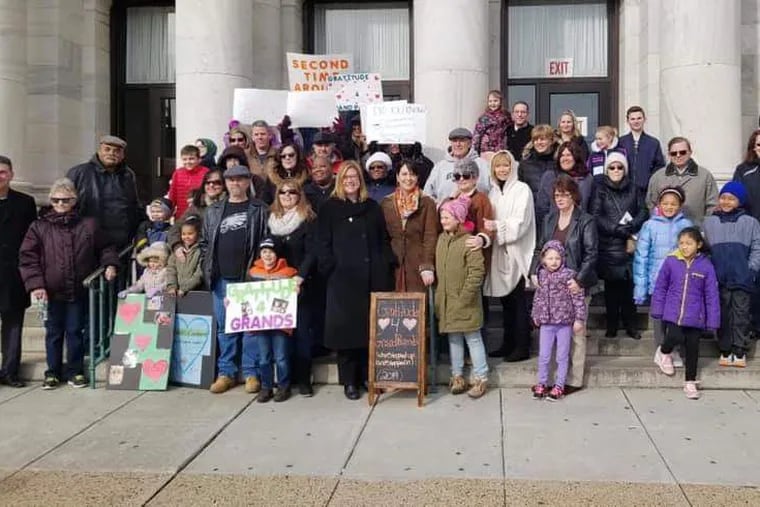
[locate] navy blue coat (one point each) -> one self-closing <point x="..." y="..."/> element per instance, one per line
<point x="642" y="164"/>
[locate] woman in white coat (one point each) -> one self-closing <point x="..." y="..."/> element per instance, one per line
<point x="511" y="255"/>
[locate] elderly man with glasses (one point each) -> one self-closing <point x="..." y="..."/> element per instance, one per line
<point x="441" y="184"/>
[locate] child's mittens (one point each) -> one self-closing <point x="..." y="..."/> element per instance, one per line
<point x="122" y="294"/>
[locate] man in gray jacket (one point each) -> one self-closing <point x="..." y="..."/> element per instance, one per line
<point x="440" y="184"/>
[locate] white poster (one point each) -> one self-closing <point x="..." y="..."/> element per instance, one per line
<point x="310" y="72"/>
<point x="312" y="109"/>
<point x="353" y="90"/>
<point x="251" y="104"/>
<point x="395" y="122"/>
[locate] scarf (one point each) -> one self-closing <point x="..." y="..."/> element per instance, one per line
<point x="406" y="204"/>
<point x="286" y="224"/>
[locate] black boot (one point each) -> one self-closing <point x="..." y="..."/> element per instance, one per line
<point x="351" y="392"/>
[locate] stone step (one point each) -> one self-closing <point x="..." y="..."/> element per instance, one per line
<point x="34" y="365"/>
<point x="596" y="317"/>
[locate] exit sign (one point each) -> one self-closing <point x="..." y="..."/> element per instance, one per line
<point x="559" y="67"/>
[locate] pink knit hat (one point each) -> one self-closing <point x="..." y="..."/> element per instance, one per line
<point x="457" y="207"/>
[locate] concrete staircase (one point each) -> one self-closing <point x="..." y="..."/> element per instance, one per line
<point x="611" y="362"/>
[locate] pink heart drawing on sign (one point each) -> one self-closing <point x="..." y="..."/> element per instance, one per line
<point x="155" y="370"/>
<point x="383" y="323"/>
<point x="128" y="312"/>
<point x="410" y="323"/>
<point x="142" y="342"/>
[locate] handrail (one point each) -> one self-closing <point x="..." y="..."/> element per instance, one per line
<point x="124" y="253"/>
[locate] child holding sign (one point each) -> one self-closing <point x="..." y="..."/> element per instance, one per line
<point x="460" y="272"/>
<point x="273" y="342"/>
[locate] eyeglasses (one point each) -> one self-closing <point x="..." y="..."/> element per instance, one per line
<point x="679" y="153"/>
<point x="616" y="167"/>
<point x="462" y="176"/>
<point x="287" y="155"/>
<point x="61" y="200"/>
<point x="288" y="192"/>
<point x="237" y="139"/>
<point x="216" y="183"/>
<point x="562" y="195"/>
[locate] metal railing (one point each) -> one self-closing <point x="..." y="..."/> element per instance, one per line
<point x="102" y="308"/>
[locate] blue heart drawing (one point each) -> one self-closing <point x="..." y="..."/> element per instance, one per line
<point x="192" y="341"/>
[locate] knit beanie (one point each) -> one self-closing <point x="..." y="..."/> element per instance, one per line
<point x="165" y="204"/>
<point x="379" y="156"/>
<point x="615" y="156"/>
<point x="457" y="208"/>
<point x="736" y="189"/>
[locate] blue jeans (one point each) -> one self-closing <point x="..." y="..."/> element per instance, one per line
<point x="228" y="342"/>
<point x="477" y="353"/>
<point x="65" y="318"/>
<point x="274" y="346"/>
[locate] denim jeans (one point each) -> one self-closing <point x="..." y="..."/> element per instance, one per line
<point x="65" y="318"/>
<point x="274" y="347"/>
<point x="477" y="353"/>
<point x="228" y="342"/>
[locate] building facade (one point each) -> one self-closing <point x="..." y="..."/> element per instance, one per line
<point x="162" y="74"/>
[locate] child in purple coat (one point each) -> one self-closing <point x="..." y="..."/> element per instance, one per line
<point x="558" y="312"/>
<point x="686" y="299"/>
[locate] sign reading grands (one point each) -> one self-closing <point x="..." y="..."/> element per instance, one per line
<point x="257" y="306"/>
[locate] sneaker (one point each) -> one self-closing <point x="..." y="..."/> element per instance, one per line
<point x="740" y="362"/>
<point x="222" y="384"/>
<point x="556" y="393"/>
<point x="306" y="390"/>
<point x="282" y="394"/>
<point x="78" y="381"/>
<point x="457" y="384"/>
<point x="657" y="356"/>
<point x="726" y="360"/>
<point x="50" y="382"/>
<point x="252" y="385"/>
<point x="677" y="361"/>
<point x="666" y="364"/>
<point x="539" y="391"/>
<point x="264" y="395"/>
<point x="478" y="389"/>
<point x="691" y="390"/>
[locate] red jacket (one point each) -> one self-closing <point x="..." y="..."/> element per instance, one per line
<point x="182" y="183"/>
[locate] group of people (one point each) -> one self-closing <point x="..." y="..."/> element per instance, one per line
<point x="526" y="214"/>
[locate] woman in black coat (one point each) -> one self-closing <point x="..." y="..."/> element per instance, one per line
<point x="619" y="209"/>
<point x="355" y="256"/>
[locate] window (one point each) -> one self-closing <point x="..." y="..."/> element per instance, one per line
<point x="150" y="45"/>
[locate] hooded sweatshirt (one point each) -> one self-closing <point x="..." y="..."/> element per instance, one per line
<point x="553" y="302"/>
<point x="734" y="239"/>
<point x="441" y="185"/>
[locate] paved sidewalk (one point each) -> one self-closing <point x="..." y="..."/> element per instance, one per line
<point x="188" y="447"/>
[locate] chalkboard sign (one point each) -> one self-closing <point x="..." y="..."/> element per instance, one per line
<point x="397" y="343"/>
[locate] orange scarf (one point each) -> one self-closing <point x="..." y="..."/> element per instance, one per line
<point x="407" y="204"/>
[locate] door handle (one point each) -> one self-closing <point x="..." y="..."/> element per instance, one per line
<point x="158" y="167"/>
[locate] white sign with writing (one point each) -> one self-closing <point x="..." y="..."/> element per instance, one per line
<point x="395" y="122"/>
<point x="310" y="72"/>
<point x="353" y="90"/>
<point x="559" y="67"/>
<point x="306" y="109"/>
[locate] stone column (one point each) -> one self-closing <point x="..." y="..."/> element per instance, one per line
<point x="267" y="43"/>
<point x="700" y="80"/>
<point x="210" y="64"/>
<point x="13" y="83"/>
<point x="450" y="65"/>
<point x="292" y="33"/>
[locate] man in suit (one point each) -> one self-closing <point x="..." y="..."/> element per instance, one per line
<point x="643" y="151"/>
<point x="17" y="212"/>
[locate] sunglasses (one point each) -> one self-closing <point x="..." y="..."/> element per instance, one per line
<point x="216" y="183"/>
<point x="615" y="167"/>
<point x="61" y="200"/>
<point x="288" y="192"/>
<point x="377" y="166"/>
<point x="679" y="153"/>
<point x="287" y="155"/>
<point x="462" y="176"/>
<point x="237" y="139"/>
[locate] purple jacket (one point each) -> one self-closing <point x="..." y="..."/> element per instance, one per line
<point x="687" y="294"/>
<point x="553" y="302"/>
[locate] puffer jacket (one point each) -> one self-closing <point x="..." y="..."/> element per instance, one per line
<point x="657" y="238"/>
<point x="187" y="275"/>
<point x="748" y="173"/>
<point x="441" y="185"/>
<point x="734" y="239"/>
<point x="491" y="131"/>
<point x="553" y="303"/>
<point x="59" y="251"/>
<point x="183" y="182"/>
<point x="610" y="203"/>
<point x="686" y="293"/>
<point x="460" y="273"/>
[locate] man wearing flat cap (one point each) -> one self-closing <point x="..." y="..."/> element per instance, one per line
<point x="107" y="191"/>
<point x="441" y="184"/>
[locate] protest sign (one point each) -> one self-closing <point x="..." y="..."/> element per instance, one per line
<point x="312" y="109"/>
<point x="353" y="90"/>
<point x="310" y="72"/>
<point x="395" y="122"/>
<point x="258" y="306"/>
<point x="194" y="349"/>
<point x="251" y="104"/>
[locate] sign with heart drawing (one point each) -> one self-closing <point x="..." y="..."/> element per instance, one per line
<point x="354" y="90"/>
<point x="194" y="351"/>
<point x="141" y="346"/>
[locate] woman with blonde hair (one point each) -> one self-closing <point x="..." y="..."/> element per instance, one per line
<point x="568" y="130"/>
<point x="355" y="257"/>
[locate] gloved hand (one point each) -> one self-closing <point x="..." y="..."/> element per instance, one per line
<point x="122" y="294"/>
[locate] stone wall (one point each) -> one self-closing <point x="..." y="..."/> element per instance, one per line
<point x="750" y="34"/>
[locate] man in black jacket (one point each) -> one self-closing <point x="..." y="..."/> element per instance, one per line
<point x="232" y="230"/>
<point x="17" y="212"/>
<point x="107" y="191"/>
<point x="518" y="135"/>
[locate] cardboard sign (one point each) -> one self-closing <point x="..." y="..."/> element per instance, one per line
<point x="397" y="343"/>
<point x="395" y="122"/>
<point x="354" y="90"/>
<point x="559" y="67"/>
<point x="258" y="306"/>
<point x="141" y="346"/>
<point x="310" y="72"/>
<point x="194" y="351"/>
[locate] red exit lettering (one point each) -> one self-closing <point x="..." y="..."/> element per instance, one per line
<point x="559" y="68"/>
